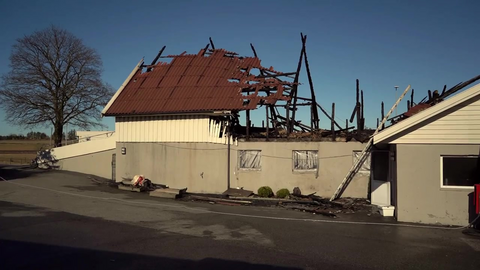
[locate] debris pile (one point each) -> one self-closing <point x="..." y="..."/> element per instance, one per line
<point x="236" y="197"/>
<point x="141" y="184"/>
<point x="306" y="203"/>
<point x="433" y="98"/>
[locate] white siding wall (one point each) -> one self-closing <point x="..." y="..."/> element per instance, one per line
<point x="169" y="129"/>
<point x="85" y="148"/>
<point x="459" y="127"/>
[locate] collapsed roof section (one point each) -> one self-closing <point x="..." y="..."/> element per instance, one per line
<point x="222" y="82"/>
<point x="432" y="99"/>
<point x="212" y="80"/>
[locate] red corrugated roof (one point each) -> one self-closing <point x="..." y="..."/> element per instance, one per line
<point x="197" y="83"/>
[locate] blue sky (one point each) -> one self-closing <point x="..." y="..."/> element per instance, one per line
<point x="383" y="43"/>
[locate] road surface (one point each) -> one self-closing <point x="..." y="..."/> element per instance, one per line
<point x="61" y="220"/>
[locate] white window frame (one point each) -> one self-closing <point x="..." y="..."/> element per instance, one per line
<point x="442" y="186"/>
<point x="249" y="169"/>
<point x="369" y="160"/>
<point x="304" y="170"/>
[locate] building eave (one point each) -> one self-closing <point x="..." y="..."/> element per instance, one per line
<point x="119" y="91"/>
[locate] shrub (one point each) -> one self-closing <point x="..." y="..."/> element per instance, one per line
<point x="265" y="192"/>
<point x="283" y="193"/>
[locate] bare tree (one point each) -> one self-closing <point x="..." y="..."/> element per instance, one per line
<point x="54" y="79"/>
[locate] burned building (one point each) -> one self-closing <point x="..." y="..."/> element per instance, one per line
<point x="178" y="122"/>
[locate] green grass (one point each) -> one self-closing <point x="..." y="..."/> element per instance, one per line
<point x="23" y="145"/>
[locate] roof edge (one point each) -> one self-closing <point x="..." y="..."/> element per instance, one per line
<point x="112" y="100"/>
<point x="424" y="115"/>
<point x="202" y="113"/>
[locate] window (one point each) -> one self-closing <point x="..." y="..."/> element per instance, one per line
<point x="365" y="168"/>
<point x="249" y="159"/>
<point x="305" y="160"/>
<point x="459" y="171"/>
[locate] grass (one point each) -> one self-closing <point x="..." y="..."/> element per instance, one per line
<point x="28" y="147"/>
<point x="16" y="158"/>
<point x="23" y="145"/>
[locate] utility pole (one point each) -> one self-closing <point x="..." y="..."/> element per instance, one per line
<point x="396" y="87"/>
<point x="66" y="135"/>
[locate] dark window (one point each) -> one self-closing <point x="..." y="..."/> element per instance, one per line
<point x="460" y="171"/>
<point x="380" y="164"/>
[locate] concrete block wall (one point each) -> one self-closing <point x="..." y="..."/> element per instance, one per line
<point x="203" y="167"/>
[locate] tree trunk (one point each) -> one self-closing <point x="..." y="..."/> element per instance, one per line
<point x="58" y="134"/>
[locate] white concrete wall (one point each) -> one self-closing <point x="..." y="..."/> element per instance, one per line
<point x="202" y="167"/>
<point x="84" y="148"/>
<point x="420" y="197"/>
<point x="98" y="163"/>
<point x="91" y="157"/>
<point x="335" y="160"/>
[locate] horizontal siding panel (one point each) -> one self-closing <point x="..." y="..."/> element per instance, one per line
<point x="443" y="140"/>
<point x="439" y="137"/>
<point x="168" y="129"/>
<point x="449" y="129"/>
<point x="449" y="118"/>
<point x="463" y="113"/>
<point x="443" y="135"/>
<point x="455" y="123"/>
<point x="460" y="126"/>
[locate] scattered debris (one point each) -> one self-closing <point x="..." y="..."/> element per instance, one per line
<point x="44" y="160"/>
<point x="141" y="184"/>
<point x="218" y="200"/>
<point x="236" y="197"/>
<point x="314" y="210"/>
<point x="169" y="193"/>
<point x="240" y="192"/>
<point x="430" y="100"/>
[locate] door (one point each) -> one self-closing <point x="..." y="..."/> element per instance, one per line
<point x="380" y="178"/>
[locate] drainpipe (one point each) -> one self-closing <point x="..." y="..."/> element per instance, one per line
<point x="228" y="158"/>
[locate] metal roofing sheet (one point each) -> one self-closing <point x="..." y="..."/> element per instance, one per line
<point x="195" y="83"/>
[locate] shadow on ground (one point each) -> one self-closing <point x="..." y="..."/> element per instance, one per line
<point x="43" y="256"/>
<point x="13" y="172"/>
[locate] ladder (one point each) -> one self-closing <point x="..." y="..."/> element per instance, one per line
<point x="364" y="154"/>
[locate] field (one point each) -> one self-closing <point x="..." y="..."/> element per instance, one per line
<point x="20" y="151"/>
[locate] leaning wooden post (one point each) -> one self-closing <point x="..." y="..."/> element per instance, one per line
<point x="383" y="115"/>
<point x="362" y="119"/>
<point x="333" y="122"/>
<point x="358" y="106"/>
<point x="346" y="125"/>
<point x="248" y="124"/>
<point x="266" y="111"/>
<point x="411" y="98"/>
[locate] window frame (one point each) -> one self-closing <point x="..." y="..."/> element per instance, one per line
<point x="442" y="186"/>
<point x="305" y="170"/>
<point x="248" y="169"/>
<point x="369" y="158"/>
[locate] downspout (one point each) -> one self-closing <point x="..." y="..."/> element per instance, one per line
<point x="228" y="158"/>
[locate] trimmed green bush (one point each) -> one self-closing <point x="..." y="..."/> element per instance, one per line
<point x="283" y="193"/>
<point x="265" y="192"/>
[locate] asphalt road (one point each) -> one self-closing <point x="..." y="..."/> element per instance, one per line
<point x="60" y="220"/>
